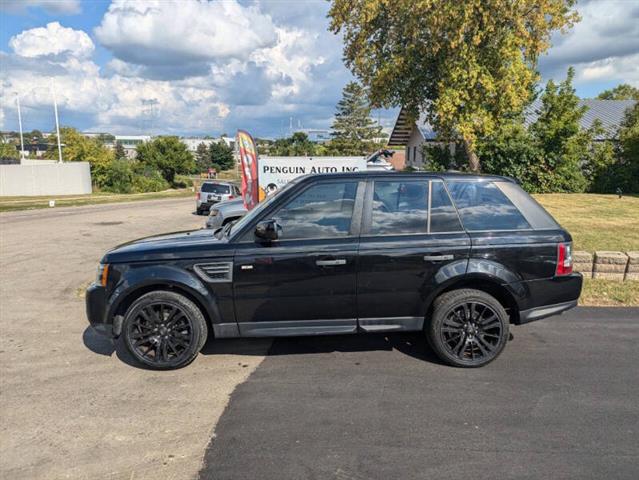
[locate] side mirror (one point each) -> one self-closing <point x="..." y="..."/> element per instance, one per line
<point x="267" y="231"/>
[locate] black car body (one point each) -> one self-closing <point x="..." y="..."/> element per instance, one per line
<point x="347" y="253"/>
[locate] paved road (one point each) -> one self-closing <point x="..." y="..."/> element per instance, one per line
<point x="72" y="406"/>
<point x="561" y="402"/>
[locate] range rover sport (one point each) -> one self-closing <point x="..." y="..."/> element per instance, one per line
<point x="459" y="257"/>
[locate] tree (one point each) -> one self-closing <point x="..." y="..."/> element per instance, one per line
<point x="202" y="157"/>
<point x="78" y="148"/>
<point x="167" y="154"/>
<point x="120" y="153"/>
<point x="622" y="91"/>
<point x="294" y="146"/>
<point x="468" y="64"/>
<point x="558" y="133"/>
<point x="9" y="151"/>
<point x="354" y="131"/>
<point x="222" y="155"/>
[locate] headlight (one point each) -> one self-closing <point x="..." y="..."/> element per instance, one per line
<point x="102" y="274"/>
<point x="213" y="212"/>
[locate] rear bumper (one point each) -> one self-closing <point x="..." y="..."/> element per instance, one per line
<point x="527" y="316"/>
<point x="546" y="297"/>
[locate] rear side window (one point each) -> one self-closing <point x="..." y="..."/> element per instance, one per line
<point x="483" y="206"/>
<point x="399" y="208"/>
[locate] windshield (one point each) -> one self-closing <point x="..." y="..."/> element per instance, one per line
<point x="246" y="219"/>
<point x="215" y="188"/>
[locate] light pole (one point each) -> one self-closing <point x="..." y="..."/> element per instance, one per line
<point x="57" y="123"/>
<point x="20" y="125"/>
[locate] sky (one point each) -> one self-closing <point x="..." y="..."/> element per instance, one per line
<point x="189" y="67"/>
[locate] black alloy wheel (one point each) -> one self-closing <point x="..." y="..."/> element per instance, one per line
<point x="164" y="330"/>
<point x="469" y="328"/>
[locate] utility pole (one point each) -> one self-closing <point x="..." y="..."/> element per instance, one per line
<point x="57" y="123"/>
<point x="20" y="124"/>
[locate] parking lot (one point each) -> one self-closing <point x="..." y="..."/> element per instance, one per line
<point x="561" y="402"/>
<point x="72" y="406"/>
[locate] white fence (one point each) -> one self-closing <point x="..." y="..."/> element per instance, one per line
<point x="70" y="178"/>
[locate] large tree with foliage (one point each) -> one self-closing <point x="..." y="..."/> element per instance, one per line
<point x="168" y="155"/>
<point x="297" y="145"/>
<point x="221" y="154"/>
<point x="468" y="64"/>
<point x="202" y="157"/>
<point x="354" y="132"/>
<point x="622" y="91"/>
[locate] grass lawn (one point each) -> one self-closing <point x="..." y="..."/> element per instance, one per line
<point x="27" y="203"/>
<point x="596" y="222"/>
<point x="598" y="292"/>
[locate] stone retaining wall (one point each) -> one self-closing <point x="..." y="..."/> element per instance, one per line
<point x="608" y="265"/>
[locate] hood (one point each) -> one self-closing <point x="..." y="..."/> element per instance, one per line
<point x="171" y="246"/>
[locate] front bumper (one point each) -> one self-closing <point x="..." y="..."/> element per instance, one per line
<point x="96" y="305"/>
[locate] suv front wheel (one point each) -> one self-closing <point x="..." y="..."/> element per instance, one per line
<point x="164" y="330"/>
<point x="469" y="328"/>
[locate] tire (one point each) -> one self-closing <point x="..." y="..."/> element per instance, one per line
<point x="164" y="330"/>
<point x="469" y="328"/>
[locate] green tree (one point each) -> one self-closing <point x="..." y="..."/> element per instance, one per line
<point x="622" y="91"/>
<point x="9" y="151"/>
<point x="297" y="145"/>
<point x="222" y="155"/>
<point x="558" y="133"/>
<point x="168" y="155"/>
<point x="120" y="153"/>
<point x="354" y="132"/>
<point x="202" y="157"/>
<point x="468" y="64"/>
<point x="78" y="148"/>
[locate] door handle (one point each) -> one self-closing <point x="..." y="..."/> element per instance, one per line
<point x="437" y="258"/>
<point x="330" y="263"/>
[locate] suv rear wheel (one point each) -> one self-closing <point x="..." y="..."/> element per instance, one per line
<point x="469" y="328"/>
<point x="164" y="330"/>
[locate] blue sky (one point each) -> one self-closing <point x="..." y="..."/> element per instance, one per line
<point x="188" y="67"/>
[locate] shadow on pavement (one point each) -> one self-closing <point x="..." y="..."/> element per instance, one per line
<point x="410" y="344"/>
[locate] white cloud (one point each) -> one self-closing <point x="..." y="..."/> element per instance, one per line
<point x="61" y="7"/>
<point x="54" y="39"/>
<point x="170" y="32"/>
<point x="603" y="46"/>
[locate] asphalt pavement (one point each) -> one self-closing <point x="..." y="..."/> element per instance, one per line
<point x="562" y="401"/>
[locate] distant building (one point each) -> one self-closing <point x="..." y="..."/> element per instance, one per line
<point x="413" y="136"/>
<point x="131" y="142"/>
<point x="317" y="135"/>
<point x="193" y="142"/>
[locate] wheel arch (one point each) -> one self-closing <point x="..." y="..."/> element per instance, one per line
<point x="491" y="285"/>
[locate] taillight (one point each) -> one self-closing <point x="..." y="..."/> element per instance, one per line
<point x="197" y="195"/>
<point x="564" y="259"/>
<point x="231" y="197"/>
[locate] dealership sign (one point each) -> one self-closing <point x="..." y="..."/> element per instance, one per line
<point x="275" y="172"/>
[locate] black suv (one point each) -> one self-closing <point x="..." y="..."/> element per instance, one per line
<point x="458" y="256"/>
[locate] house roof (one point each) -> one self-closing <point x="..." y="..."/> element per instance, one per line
<point x="609" y="112"/>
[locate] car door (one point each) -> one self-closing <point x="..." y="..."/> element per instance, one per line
<point x="411" y="242"/>
<point x="304" y="282"/>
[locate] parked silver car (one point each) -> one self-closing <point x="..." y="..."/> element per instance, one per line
<point x="225" y="212"/>
<point x="212" y="192"/>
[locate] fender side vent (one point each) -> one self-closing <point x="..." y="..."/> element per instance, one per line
<point x="217" y="272"/>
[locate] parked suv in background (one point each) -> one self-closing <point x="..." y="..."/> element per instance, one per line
<point x="225" y="212"/>
<point x="211" y="192"/>
<point x="459" y="257"/>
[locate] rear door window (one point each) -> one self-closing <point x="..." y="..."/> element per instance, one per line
<point x="399" y="207"/>
<point x="443" y="217"/>
<point x="483" y="206"/>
